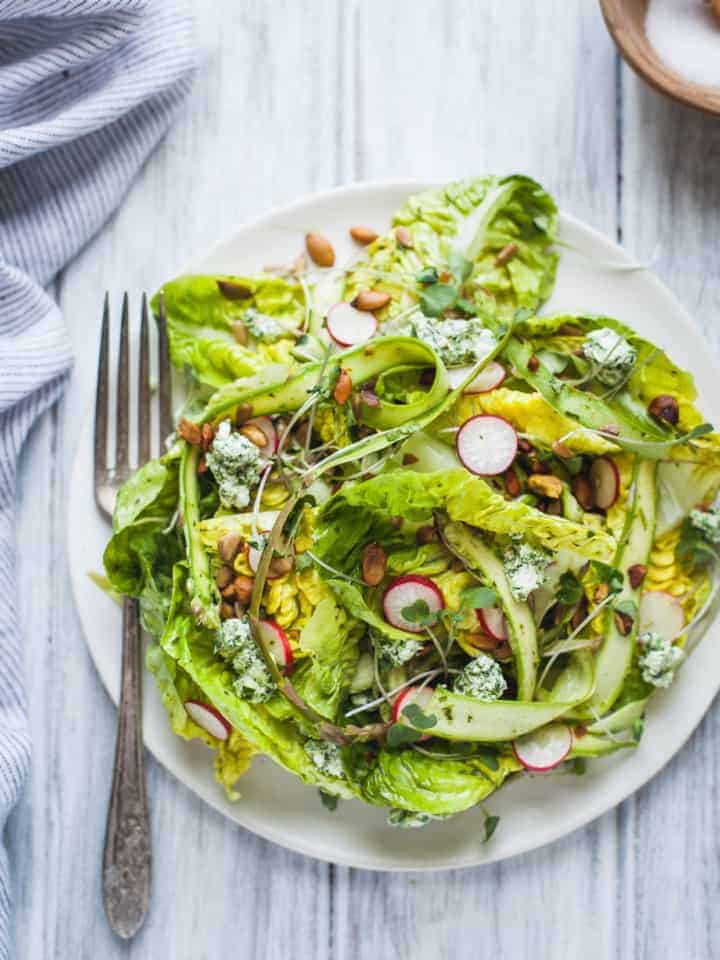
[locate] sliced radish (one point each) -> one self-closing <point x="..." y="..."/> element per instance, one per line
<point x="419" y="695"/>
<point x="661" y="613"/>
<point x="493" y="622"/>
<point x="486" y="445"/>
<point x="488" y="379"/>
<point x="605" y="482"/>
<point x="545" y="748"/>
<point x="208" y="718"/>
<point x="268" y="428"/>
<point x="275" y="639"/>
<point x="404" y="592"/>
<point x="348" y="326"/>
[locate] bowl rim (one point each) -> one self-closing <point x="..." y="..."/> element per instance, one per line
<point x="655" y="72"/>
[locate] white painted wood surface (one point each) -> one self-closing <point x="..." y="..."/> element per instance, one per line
<point x="294" y="98"/>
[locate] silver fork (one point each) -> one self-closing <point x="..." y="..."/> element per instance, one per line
<point x="127" y="855"/>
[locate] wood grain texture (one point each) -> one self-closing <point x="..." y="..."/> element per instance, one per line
<point x="295" y="98"/>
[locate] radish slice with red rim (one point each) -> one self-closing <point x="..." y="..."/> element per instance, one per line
<point x="266" y="425"/>
<point x="419" y="695"/>
<point x="405" y="591"/>
<point x="493" y="622"/>
<point x="486" y="445"/>
<point x="488" y="379"/>
<point x="605" y="482"/>
<point x="208" y="718"/>
<point x="661" y="613"/>
<point x="275" y="639"/>
<point x="348" y="326"/>
<point x="544" y="749"/>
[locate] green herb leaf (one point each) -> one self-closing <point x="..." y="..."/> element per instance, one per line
<point x="605" y="573"/>
<point x="437" y="298"/>
<point x="700" y="431"/>
<point x="460" y="267"/>
<point x="418" y="612"/>
<point x="487" y="758"/>
<point x="570" y="589"/>
<point x="399" y="734"/>
<point x="637" y="728"/>
<point x="578" y="766"/>
<point x="303" y="562"/>
<point x="627" y="607"/>
<point x="428" y="275"/>
<point x="693" y="546"/>
<point x="418" y="718"/>
<point x="491" y="825"/>
<point x="328" y="800"/>
<point x="573" y="466"/>
<point x="467" y="306"/>
<point x="478" y="598"/>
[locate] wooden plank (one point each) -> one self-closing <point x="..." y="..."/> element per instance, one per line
<point x="670" y="202"/>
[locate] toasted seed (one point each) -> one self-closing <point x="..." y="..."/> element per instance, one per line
<point x="539" y="466"/>
<point x="224" y="576"/>
<point x="228" y="592"/>
<point x="374" y="564"/>
<point x="190" y="432"/>
<point x="445" y="276"/>
<point x="227" y="611"/>
<point x="623" y="622"/>
<point x="254" y="434"/>
<point x="319" y="249"/>
<point x="397" y="522"/>
<point x="408" y="459"/>
<point x="426" y="534"/>
<point x="580" y="730"/>
<point x="301" y="433"/>
<point x="243" y="587"/>
<point x="240" y="332"/>
<point x="243" y="413"/>
<point x="363" y="235"/>
<point x="545" y="485"/>
<point x="636" y="574"/>
<point x="524" y="445"/>
<point x="228" y="547"/>
<point x="232" y="290"/>
<point x="369" y="398"/>
<point x="562" y="450"/>
<point x="371" y="300"/>
<point x="457" y="566"/>
<point x="279" y="566"/>
<point x="583" y="491"/>
<point x="506" y="254"/>
<point x="343" y="387"/>
<point x="601" y="592"/>
<point x="533" y="363"/>
<point x="512" y="484"/>
<point x="208" y="435"/>
<point x="404" y="237"/>
<point x="665" y="408"/>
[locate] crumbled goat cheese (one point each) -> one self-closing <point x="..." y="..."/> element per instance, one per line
<point x="394" y="651"/>
<point x="236" y="464"/>
<point x="611" y="353"/>
<point x="708" y="523"/>
<point x="658" y="659"/>
<point x="482" y="678"/>
<point x="326" y="757"/>
<point x="455" y="341"/>
<point x="263" y="327"/>
<point x="234" y="641"/>
<point x="525" y="569"/>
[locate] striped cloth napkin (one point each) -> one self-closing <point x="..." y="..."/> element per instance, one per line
<point x="87" y="89"/>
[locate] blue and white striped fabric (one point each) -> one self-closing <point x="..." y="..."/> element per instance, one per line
<point x="87" y="89"/>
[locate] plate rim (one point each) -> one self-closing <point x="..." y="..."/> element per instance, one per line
<point x="590" y="811"/>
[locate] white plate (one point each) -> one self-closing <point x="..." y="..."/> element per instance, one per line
<point x="533" y="811"/>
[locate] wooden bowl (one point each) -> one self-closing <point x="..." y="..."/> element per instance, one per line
<point x="625" y="20"/>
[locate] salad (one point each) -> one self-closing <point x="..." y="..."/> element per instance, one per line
<point x="415" y="537"/>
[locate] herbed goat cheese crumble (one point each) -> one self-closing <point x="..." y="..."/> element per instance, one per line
<point x="659" y="658"/>
<point x="236" y="464"/>
<point x="611" y="353"/>
<point x="394" y="651"/>
<point x="525" y="568"/>
<point x="707" y="522"/>
<point x="326" y="757"/>
<point x="234" y="642"/>
<point x="455" y="341"/>
<point x="263" y="327"/>
<point x="482" y="679"/>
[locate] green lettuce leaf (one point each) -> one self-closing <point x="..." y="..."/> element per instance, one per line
<point x="331" y="638"/>
<point x="200" y="319"/>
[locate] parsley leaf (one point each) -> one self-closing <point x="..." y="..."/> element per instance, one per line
<point x="570" y="589"/>
<point x="637" y="728"/>
<point x="328" y="800"/>
<point x="418" y="612"/>
<point x="608" y="574"/>
<point x="418" y="718"/>
<point x="491" y="825"/>
<point x="477" y="598"/>
<point x="436" y="298"/>
<point x="428" y="275"/>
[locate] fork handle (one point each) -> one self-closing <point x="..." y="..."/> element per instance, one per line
<point x="127" y="854"/>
